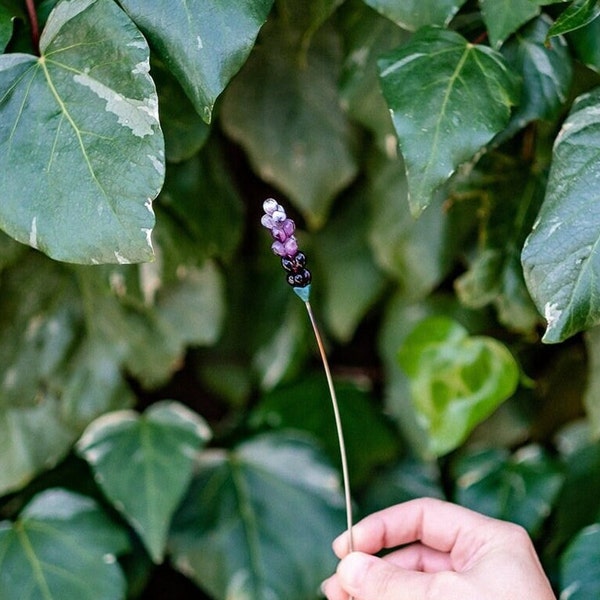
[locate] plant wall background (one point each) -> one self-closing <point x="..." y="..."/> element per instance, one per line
<point x="164" y="423"/>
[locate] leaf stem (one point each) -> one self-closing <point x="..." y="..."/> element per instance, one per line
<point x="338" y="426"/>
<point x="35" y="27"/>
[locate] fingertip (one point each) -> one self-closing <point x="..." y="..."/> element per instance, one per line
<point x="352" y="570"/>
<point x="340" y="545"/>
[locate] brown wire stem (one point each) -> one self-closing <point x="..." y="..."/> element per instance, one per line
<point x="338" y="426"/>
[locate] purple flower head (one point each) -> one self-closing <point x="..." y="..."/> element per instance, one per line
<point x="286" y="246"/>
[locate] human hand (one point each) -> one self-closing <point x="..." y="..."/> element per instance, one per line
<point x="447" y="552"/>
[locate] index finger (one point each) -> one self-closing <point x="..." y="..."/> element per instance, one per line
<point x="437" y="524"/>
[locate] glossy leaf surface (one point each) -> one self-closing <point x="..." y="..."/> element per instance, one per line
<point x="81" y="151"/>
<point x="560" y="257"/>
<point x="456" y="380"/>
<point x="204" y="43"/>
<point x="258" y="521"/>
<point x="154" y="453"/>
<point x="442" y="125"/>
<point x="61" y="546"/>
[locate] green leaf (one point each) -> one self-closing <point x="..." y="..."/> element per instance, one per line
<point x="417" y="253"/>
<point x="184" y="130"/>
<point x="509" y="200"/>
<point x="144" y="464"/>
<point x="348" y="276"/>
<point x="560" y="257"/>
<point x="521" y="488"/>
<point x="414" y="14"/>
<point x="580" y="566"/>
<point x="258" y="521"/>
<point x="81" y="151"/>
<point x="456" y="380"/>
<point x="586" y="46"/>
<point x="578" y="14"/>
<point x="546" y="69"/>
<point x="503" y="18"/>
<point x="8" y="12"/>
<point x="200" y="211"/>
<point x="307" y="150"/>
<point x="39" y="323"/>
<point x="441" y="125"/>
<point x="405" y="480"/>
<point x="62" y="546"/>
<point x="306" y="405"/>
<point x="591" y="398"/>
<point x="579" y="503"/>
<point x="202" y="42"/>
<point x="366" y="36"/>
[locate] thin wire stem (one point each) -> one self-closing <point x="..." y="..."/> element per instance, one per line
<point x="338" y="426"/>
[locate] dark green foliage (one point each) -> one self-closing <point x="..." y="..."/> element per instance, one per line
<point x="169" y="418"/>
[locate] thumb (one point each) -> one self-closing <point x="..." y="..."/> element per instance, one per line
<point x="367" y="577"/>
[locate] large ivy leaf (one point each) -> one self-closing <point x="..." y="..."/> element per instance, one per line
<point x="307" y="149"/>
<point x="560" y="257"/>
<point x="503" y="18"/>
<point x="61" y="546"/>
<point x="521" y="488"/>
<point x="546" y="68"/>
<point x="306" y="405"/>
<point x="143" y="463"/>
<point x="258" y="521"/>
<point x="414" y="14"/>
<point x="203" y="43"/>
<point x="456" y="380"/>
<point x="81" y="151"/>
<point x="580" y="566"/>
<point x="441" y="125"/>
<point x="578" y="14"/>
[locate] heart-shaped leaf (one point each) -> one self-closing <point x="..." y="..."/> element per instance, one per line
<point x="414" y="14"/>
<point x="441" y="125"/>
<point x="81" y="151"/>
<point x="144" y="464"/>
<point x="456" y="380"/>
<point x="258" y="521"/>
<point x="561" y="257"/>
<point x="204" y="43"/>
<point x="580" y="566"/>
<point x="521" y="488"/>
<point x="503" y="17"/>
<point x="62" y="546"/>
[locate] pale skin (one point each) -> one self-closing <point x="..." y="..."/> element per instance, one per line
<point x="447" y="553"/>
